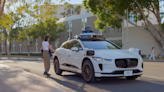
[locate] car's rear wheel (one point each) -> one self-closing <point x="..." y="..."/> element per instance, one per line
<point x="88" y="71"/>
<point x="57" y="69"/>
<point x="131" y="77"/>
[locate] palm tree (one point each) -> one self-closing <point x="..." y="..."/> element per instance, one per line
<point x="78" y="9"/>
<point x="64" y="14"/>
<point x="68" y="7"/>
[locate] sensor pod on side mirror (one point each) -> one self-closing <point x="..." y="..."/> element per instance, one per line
<point x="90" y="53"/>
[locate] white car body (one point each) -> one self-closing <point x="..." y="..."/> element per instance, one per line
<point x="72" y="61"/>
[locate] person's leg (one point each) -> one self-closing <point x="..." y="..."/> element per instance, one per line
<point x="153" y="57"/>
<point x="150" y="56"/>
<point x="44" y="56"/>
<point x="48" y="63"/>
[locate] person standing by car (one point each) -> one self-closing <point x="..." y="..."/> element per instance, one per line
<point x="152" y="54"/>
<point x="46" y="56"/>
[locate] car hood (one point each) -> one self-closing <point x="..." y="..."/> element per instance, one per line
<point x="113" y="54"/>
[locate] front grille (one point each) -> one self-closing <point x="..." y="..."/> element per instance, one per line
<point x="126" y="63"/>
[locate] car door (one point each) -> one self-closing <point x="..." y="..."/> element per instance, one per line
<point x="76" y="57"/>
<point x="64" y="55"/>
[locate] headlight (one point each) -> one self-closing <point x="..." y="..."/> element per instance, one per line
<point x="101" y="59"/>
<point x="140" y="59"/>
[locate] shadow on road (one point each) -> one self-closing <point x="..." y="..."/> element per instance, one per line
<point x="111" y="84"/>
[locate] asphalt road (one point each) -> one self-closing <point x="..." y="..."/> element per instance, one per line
<point x="151" y="81"/>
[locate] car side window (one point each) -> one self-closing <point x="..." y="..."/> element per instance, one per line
<point x="76" y="44"/>
<point x="66" y="45"/>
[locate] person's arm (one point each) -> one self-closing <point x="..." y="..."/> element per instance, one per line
<point x="51" y="48"/>
<point x="42" y="47"/>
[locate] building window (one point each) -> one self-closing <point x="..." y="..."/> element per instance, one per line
<point x="67" y="25"/>
<point x="70" y="34"/>
<point x="71" y="25"/>
<point x="85" y="21"/>
<point x="82" y="23"/>
<point x="131" y="18"/>
<point x="36" y="45"/>
<point x="55" y="11"/>
<point x="14" y="45"/>
<point x="87" y="11"/>
<point x="68" y="11"/>
<point x="20" y="47"/>
<point x="73" y="11"/>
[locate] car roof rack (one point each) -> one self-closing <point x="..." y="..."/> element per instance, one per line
<point x="89" y="34"/>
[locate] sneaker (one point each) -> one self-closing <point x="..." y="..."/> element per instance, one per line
<point x="45" y="73"/>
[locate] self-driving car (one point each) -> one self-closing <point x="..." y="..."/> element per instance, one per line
<point x="93" y="57"/>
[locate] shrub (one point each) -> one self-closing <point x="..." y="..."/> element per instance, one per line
<point x="143" y="55"/>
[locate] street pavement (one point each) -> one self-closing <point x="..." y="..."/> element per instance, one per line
<point x="17" y="80"/>
<point x="151" y="81"/>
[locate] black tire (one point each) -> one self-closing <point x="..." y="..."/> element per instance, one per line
<point x="131" y="77"/>
<point x="57" y="69"/>
<point x="88" y="71"/>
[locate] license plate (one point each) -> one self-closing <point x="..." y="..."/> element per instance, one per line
<point x="128" y="73"/>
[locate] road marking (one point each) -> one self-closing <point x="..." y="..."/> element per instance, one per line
<point x="153" y="77"/>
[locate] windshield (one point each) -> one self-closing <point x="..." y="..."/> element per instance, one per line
<point x="99" y="45"/>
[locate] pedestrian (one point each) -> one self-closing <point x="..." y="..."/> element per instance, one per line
<point x="46" y="56"/>
<point x="152" y="54"/>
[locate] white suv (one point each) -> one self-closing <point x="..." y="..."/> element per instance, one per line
<point x="92" y="56"/>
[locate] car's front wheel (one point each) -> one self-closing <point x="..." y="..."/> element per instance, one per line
<point x="88" y="71"/>
<point x="131" y="77"/>
<point x="57" y="69"/>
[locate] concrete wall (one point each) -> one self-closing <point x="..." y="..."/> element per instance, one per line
<point x="17" y="47"/>
<point x="139" y="39"/>
<point x="76" y="27"/>
<point x="63" y="36"/>
<point x="90" y="22"/>
<point x="39" y="44"/>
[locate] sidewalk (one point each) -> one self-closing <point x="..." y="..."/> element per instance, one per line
<point x="17" y="80"/>
<point x="147" y="60"/>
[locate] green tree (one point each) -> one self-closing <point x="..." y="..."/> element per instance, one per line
<point x="64" y="14"/>
<point x="49" y="27"/>
<point x="78" y="9"/>
<point x="112" y="13"/>
<point x="68" y="6"/>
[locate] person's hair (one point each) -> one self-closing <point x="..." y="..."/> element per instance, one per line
<point x="152" y="48"/>
<point x="46" y="38"/>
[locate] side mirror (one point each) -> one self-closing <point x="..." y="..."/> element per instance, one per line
<point x="74" y="49"/>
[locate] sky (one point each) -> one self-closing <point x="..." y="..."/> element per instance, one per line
<point x="69" y="1"/>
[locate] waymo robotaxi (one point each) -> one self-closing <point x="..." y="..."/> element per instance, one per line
<point x="92" y="56"/>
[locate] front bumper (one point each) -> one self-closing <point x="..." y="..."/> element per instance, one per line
<point x="109" y="69"/>
<point x="116" y="75"/>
